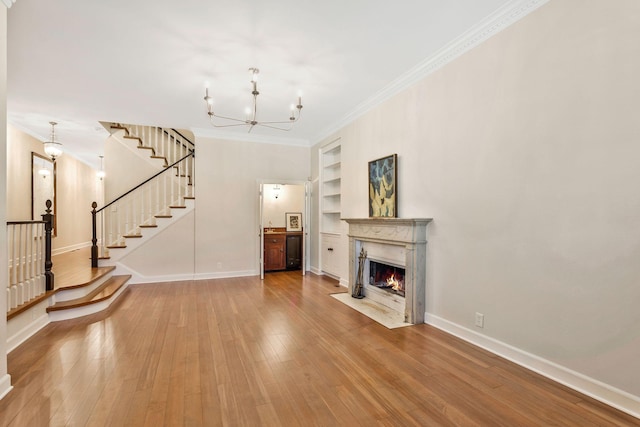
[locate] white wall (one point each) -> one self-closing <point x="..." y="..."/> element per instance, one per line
<point x="290" y="199"/>
<point x="227" y="216"/>
<point x="525" y="152"/>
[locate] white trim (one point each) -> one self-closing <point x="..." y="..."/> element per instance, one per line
<point x="605" y="393"/>
<point x="249" y="137"/>
<point x="225" y="274"/>
<point x="28" y="330"/>
<point x="485" y="29"/>
<point x="138" y="278"/>
<point x="5" y="385"/>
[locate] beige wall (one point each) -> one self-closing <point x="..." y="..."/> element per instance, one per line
<point x="227" y="174"/>
<point x="76" y="188"/>
<point x="5" y="378"/>
<point x="525" y="152"/>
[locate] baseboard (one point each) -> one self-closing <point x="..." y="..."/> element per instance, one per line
<point x="605" y="393"/>
<point x="137" y="277"/>
<point x="225" y="274"/>
<point x="70" y="248"/>
<point x="27" y="331"/>
<point x="5" y="386"/>
<point x="315" y="270"/>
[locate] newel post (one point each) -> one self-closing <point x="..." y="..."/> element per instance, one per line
<point x="94" y="238"/>
<point x="48" y="227"/>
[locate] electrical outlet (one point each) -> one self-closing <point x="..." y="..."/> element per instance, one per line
<point x="479" y="320"/>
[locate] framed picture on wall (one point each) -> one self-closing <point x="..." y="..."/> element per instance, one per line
<point x="383" y="176"/>
<point x="293" y="221"/>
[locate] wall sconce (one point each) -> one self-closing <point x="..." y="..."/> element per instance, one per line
<point x="101" y="173"/>
<point x="276" y="191"/>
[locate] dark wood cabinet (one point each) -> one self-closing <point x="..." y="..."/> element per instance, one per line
<point x="294" y="251"/>
<point x="274" y="252"/>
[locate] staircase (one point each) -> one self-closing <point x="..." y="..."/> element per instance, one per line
<point x="120" y="227"/>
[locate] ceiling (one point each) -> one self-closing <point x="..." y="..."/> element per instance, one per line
<point x="146" y="62"/>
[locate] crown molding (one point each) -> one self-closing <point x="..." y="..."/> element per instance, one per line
<point x="248" y="137"/>
<point x="485" y="29"/>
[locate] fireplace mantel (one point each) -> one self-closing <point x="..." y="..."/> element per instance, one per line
<point x="401" y="230"/>
<point x="408" y="233"/>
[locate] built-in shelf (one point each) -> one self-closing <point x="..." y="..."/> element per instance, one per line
<point x="331" y="208"/>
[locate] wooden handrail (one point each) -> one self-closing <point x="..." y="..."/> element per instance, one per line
<point x="192" y="153"/>
<point x="25" y="222"/>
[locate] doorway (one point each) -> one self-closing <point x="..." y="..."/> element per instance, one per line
<point x="283" y="225"/>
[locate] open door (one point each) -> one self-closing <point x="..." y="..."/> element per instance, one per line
<point x="260" y="230"/>
<point x="276" y="199"/>
<point x="306" y="263"/>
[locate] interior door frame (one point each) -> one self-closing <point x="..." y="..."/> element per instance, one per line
<point x="306" y="261"/>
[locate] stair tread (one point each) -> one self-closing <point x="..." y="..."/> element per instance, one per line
<point x="164" y="216"/>
<point x="189" y="197"/>
<point x="117" y="246"/>
<point x="177" y="207"/>
<point x="132" y="236"/>
<point x="101" y="293"/>
<point x="148" y="226"/>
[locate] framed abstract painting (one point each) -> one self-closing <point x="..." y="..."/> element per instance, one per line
<point x="383" y="177"/>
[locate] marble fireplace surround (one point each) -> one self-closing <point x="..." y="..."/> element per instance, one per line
<point x="410" y="234"/>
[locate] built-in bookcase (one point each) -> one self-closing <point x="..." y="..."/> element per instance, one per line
<point x="330" y="207"/>
<point x="331" y="180"/>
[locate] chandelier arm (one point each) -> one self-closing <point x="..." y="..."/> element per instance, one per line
<point x="227" y="126"/>
<point x="212" y="115"/>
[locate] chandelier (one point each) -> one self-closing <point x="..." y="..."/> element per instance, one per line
<point x="251" y="113"/>
<point x="52" y="147"/>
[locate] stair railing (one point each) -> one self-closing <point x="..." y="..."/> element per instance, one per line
<point x="166" y="142"/>
<point x="125" y="216"/>
<point x="29" y="251"/>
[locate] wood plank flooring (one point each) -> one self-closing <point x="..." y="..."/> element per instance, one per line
<point x="282" y="352"/>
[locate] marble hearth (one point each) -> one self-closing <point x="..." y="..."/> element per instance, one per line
<point x="395" y="242"/>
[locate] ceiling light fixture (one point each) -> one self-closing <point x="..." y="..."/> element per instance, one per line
<point x="252" y="112"/>
<point x="101" y="173"/>
<point x="52" y="147"/>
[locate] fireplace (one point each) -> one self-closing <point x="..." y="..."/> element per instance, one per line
<point x="387" y="277"/>
<point x="394" y="247"/>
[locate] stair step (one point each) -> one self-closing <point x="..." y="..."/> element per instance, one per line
<point x="164" y="216"/>
<point x="103" y="292"/>
<point x="144" y="147"/>
<point x="119" y="127"/>
<point x="178" y="207"/>
<point x="148" y="226"/>
<point x="161" y="158"/>
<point x="189" y="197"/>
<point x="133" y="137"/>
<point x="132" y="236"/>
<point x="116" y="247"/>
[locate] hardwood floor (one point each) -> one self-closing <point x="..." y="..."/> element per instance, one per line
<point x="242" y="352"/>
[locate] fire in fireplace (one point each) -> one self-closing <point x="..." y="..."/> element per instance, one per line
<point x="387" y="277"/>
